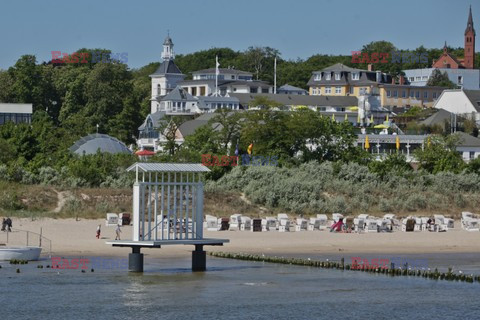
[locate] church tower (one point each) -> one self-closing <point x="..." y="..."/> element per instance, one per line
<point x="469" y="61"/>
<point x="166" y="77"/>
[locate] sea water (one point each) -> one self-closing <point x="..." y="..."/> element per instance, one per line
<point x="230" y="289"/>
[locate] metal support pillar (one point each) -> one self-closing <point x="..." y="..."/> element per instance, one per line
<point x="199" y="258"/>
<point x="135" y="260"/>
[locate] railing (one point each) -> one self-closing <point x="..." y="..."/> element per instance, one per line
<point x="18" y="237"/>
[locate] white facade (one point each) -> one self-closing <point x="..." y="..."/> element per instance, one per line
<point x="468" y="79"/>
<point x="457" y="102"/>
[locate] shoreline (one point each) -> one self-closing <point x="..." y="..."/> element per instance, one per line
<point x="77" y="238"/>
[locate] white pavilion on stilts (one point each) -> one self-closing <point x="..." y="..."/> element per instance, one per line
<point x="167" y="210"/>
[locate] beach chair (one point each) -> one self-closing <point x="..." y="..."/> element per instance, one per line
<point x="371" y="225"/>
<point x="124" y="219"/>
<point x="269" y="224"/>
<point x="301" y="225"/>
<point x="284" y="225"/>
<point x="466" y="217"/>
<point x="425" y="226"/>
<point x="246" y="223"/>
<point x="223" y="224"/>
<point x="235" y="221"/>
<point x="442" y="223"/>
<point x="112" y="220"/>
<point x="408" y="224"/>
<point x="323" y="221"/>
<point x="211" y="223"/>
<point x="283" y="222"/>
<point x="472" y="225"/>
<point x="392" y="221"/>
<point x="349" y="224"/>
<point x="314" y="224"/>
<point x="382" y="225"/>
<point x="360" y="222"/>
<point x="256" y="225"/>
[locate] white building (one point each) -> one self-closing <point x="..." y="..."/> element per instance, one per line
<point x="468" y="79"/>
<point x="461" y="102"/>
<point x="166" y="77"/>
<point x="16" y="112"/>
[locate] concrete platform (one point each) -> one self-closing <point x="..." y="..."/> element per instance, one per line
<point x="160" y="243"/>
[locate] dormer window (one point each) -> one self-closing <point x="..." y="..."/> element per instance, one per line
<point x="317" y="77"/>
<point x="328" y="76"/>
<point x="355" y="76"/>
<point x="337" y="76"/>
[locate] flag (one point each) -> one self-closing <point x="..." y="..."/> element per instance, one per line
<point x="367" y="143"/>
<point x="250" y="148"/>
<point x="397" y="142"/>
<point x="217" y="65"/>
<point x="236" y="150"/>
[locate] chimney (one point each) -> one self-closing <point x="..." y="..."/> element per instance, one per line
<point x="402" y="80"/>
<point x="370" y="67"/>
<point x="393" y="80"/>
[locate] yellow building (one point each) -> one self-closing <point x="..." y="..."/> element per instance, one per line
<point x="340" y="80"/>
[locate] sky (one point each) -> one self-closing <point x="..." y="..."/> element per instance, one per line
<point x="298" y="29"/>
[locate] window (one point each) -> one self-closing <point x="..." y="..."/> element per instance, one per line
<point x="317" y="77"/>
<point x="337" y="76"/>
<point x="350" y="90"/>
<point x="434" y="95"/>
<point x="328" y="90"/>
<point x="314" y="91"/>
<point x="472" y="155"/>
<point x="412" y="94"/>
<point x="338" y="90"/>
<point x="233" y="77"/>
<point x="460" y="80"/>
<point x="424" y="77"/>
<point x="417" y="94"/>
<point x="404" y="94"/>
<point x="388" y="93"/>
<point x="328" y="76"/>
<point x="418" y="78"/>
<point x="355" y="76"/>
<point x="265" y="90"/>
<point x="411" y="79"/>
<point x="253" y="90"/>
<point x="425" y="95"/>
<point x="395" y="93"/>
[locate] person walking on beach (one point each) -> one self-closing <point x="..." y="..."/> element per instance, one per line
<point x="8" y="222"/>
<point x="117" y="232"/>
<point x="98" y="231"/>
<point x="4" y="224"/>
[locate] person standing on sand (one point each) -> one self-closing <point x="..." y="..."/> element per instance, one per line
<point x="98" y="231"/>
<point x="117" y="232"/>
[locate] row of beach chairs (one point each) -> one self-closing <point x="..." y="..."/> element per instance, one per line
<point x="361" y="223"/>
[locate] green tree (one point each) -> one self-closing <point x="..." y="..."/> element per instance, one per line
<point x="439" y="79"/>
<point x="439" y="154"/>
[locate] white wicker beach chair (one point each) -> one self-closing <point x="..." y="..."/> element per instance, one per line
<point x="235" y="221"/>
<point x="245" y="223"/>
<point x="323" y="221"/>
<point x="314" y="224"/>
<point x="301" y="225"/>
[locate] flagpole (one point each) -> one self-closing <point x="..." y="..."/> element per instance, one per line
<point x="275" y="76"/>
<point x="216" y="75"/>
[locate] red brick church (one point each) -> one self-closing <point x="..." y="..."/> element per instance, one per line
<point x="448" y="61"/>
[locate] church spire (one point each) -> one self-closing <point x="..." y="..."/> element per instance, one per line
<point x="470" y="23"/>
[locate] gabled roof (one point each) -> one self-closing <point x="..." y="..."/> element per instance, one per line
<point x="439" y="117"/>
<point x="474" y="97"/>
<point x="341" y="67"/>
<point x="167" y="67"/>
<point x="295" y="99"/>
<point x="157" y="119"/>
<point x="179" y="94"/>
<point x="467" y="140"/>
<point x="167" y="167"/>
<point x="287" y="87"/>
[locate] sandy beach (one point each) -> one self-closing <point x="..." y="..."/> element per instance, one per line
<point x="77" y="238"/>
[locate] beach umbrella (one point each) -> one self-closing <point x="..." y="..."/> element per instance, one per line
<point x="333" y="117"/>
<point x="354" y="108"/>
<point x="387" y="118"/>
<point x="367" y="143"/>
<point x="429" y="142"/>
<point x="144" y="153"/>
<point x="397" y="142"/>
<point x="346" y="117"/>
<point x="371" y="118"/>
<point x="381" y="126"/>
<point x="250" y="148"/>
<point x="358" y="118"/>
